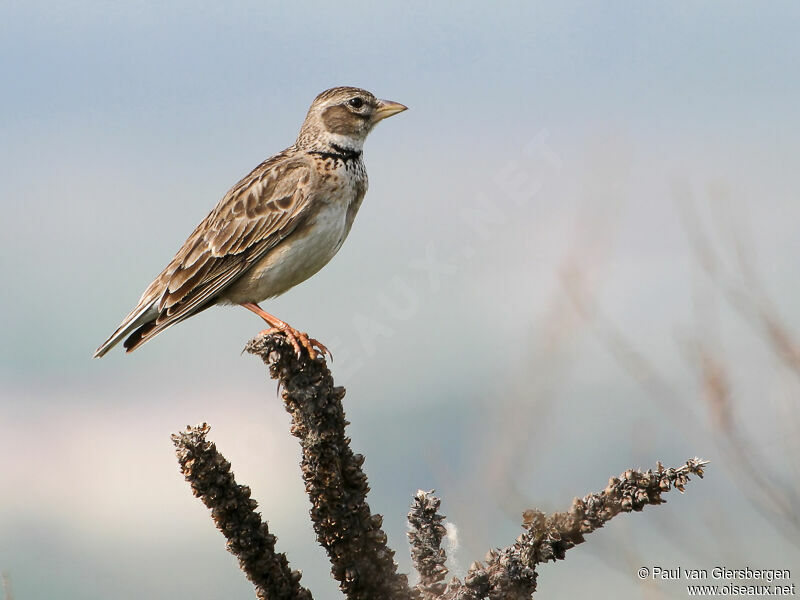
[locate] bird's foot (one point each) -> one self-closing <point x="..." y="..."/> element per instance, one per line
<point x="300" y="340"/>
<point x="297" y="339"/>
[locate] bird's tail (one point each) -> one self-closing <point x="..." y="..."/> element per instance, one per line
<point x="139" y="316"/>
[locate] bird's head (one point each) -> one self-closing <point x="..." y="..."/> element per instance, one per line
<point x="343" y="116"/>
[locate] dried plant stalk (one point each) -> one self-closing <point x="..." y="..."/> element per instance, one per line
<point x="425" y="538"/>
<point x="234" y="513"/>
<point x="361" y="561"/>
<point x="510" y="573"/>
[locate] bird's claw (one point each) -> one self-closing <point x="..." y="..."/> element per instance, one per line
<point x="319" y="346"/>
<point x="300" y="340"/>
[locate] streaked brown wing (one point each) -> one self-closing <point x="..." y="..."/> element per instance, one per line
<point x="252" y="218"/>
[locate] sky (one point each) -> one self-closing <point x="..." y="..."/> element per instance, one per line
<point x="583" y="211"/>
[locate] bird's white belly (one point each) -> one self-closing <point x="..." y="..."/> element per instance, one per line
<point x="295" y="259"/>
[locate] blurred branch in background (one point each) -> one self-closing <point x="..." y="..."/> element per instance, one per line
<point x="764" y="482"/>
<point x="8" y="594"/>
<point x="361" y="561"/>
<point x="774" y="494"/>
<point x="742" y="286"/>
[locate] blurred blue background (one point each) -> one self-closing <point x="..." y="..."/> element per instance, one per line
<point x="578" y="254"/>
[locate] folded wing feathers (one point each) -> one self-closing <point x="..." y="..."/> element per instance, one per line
<point x="253" y="216"/>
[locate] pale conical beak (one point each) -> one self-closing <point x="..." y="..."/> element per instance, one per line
<point x="387" y="108"/>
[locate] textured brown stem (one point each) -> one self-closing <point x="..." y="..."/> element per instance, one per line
<point x="425" y="537"/>
<point x="361" y="561"/>
<point x="234" y="513"/>
<point x="510" y="573"/>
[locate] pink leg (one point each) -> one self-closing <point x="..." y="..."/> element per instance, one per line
<point x="296" y="338"/>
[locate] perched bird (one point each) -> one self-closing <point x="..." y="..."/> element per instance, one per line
<point x="274" y="229"/>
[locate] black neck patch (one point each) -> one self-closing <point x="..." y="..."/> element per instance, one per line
<point x="338" y="153"/>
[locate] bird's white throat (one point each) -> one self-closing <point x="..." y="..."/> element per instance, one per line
<point x="349" y="143"/>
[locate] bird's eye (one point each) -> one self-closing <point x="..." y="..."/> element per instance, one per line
<point x="356" y="102"/>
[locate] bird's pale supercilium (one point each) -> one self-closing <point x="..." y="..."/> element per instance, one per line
<point x="274" y="229"/>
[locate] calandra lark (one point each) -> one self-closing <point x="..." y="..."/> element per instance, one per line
<point x="272" y="230"/>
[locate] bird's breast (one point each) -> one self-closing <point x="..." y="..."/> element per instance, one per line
<point x="306" y="250"/>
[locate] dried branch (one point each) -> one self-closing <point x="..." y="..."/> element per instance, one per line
<point x="425" y="537"/>
<point x="361" y="561"/>
<point x="549" y="538"/>
<point x="510" y="573"/>
<point x="356" y="545"/>
<point x="234" y="513"/>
